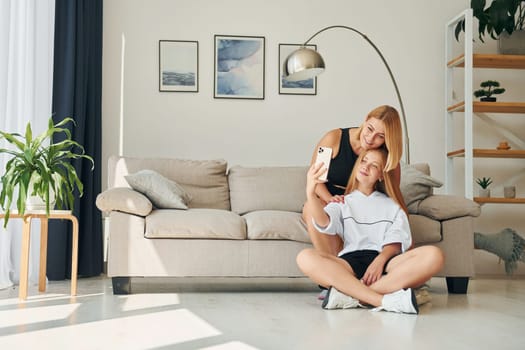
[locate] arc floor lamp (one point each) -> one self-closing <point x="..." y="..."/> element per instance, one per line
<point x="305" y="63"/>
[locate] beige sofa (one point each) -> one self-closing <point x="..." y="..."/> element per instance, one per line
<point x="246" y="222"/>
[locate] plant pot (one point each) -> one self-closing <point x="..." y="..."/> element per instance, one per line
<point x="513" y="44"/>
<point x="488" y="99"/>
<point x="509" y="191"/>
<point x="484" y="192"/>
<point x="37" y="203"/>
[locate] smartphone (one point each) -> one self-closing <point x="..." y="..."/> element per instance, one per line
<point x="324" y="155"/>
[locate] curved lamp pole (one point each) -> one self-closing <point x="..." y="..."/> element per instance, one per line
<point x="305" y="63"/>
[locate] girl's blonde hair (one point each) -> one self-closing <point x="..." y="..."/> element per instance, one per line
<point x="386" y="186"/>
<point x="393" y="133"/>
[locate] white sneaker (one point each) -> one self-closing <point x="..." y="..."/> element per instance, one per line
<point x="337" y="300"/>
<point x="402" y="301"/>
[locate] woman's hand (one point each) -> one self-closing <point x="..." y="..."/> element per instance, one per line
<point x="337" y="199"/>
<point x="374" y="271"/>
<point x="312" y="178"/>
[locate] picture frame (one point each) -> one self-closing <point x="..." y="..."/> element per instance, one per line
<point x="239" y="67"/>
<point x="178" y="66"/>
<point x="301" y="87"/>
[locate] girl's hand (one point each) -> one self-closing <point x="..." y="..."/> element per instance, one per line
<point x="312" y="178"/>
<point x="374" y="271"/>
<point x="337" y="199"/>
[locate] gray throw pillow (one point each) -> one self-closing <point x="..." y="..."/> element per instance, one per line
<point x="416" y="186"/>
<point x="162" y="192"/>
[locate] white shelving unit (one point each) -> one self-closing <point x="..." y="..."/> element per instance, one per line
<point x="468" y="61"/>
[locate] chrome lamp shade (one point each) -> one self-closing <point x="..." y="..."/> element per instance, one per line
<point x="303" y="64"/>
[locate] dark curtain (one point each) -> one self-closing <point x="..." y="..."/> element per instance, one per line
<point x="77" y="91"/>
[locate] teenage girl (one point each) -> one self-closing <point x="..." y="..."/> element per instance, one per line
<point x="375" y="266"/>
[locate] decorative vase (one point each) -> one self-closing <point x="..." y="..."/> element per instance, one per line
<point x="513" y="44"/>
<point x="484" y="192"/>
<point x="509" y="191"/>
<point x="37" y="203"/>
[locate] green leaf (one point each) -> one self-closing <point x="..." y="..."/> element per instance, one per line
<point x="460" y="27"/>
<point x="478" y="5"/>
<point x="498" y="13"/>
<point x="29" y="134"/>
<point x="12" y="139"/>
<point x="488" y="83"/>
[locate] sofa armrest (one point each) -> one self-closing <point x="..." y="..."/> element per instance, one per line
<point x="124" y="199"/>
<point x="445" y="207"/>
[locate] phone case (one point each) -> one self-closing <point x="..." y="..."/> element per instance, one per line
<point x="324" y="155"/>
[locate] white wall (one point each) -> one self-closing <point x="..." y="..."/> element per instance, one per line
<point x="281" y="129"/>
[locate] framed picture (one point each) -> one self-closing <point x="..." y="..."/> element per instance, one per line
<point x="178" y="65"/>
<point x="301" y="87"/>
<point x="239" y="67"/>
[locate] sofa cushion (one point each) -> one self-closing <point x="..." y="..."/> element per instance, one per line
<point x="125" y="200"/>
<point x="204" y="180"/>
<point x="416" y="184"/>
<point x="195" y="223"/>
<point x="267" y="188"/>
<point x="162" y="192"/>
<point x="275" y="224"/>
<point x="445" y="207"/>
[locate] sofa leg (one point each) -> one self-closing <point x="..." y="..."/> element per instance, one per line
<point x="457" y="285"/>
<point x="121" y="285"/>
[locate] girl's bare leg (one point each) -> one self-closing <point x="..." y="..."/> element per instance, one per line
<point x="324" y="243"/>
<point x="410" y="269"/>
<point x="328" y="270"/>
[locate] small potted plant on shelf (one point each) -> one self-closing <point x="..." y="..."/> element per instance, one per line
<point x="39" y="168"/>
<point x="484" y="183"/>
<point x="490" y="87"/>
<point x="501" y="19"/>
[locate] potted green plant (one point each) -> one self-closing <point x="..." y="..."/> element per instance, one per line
<point x="490" y="87"/>
<point x="484" y="183"/>
<point x="38" y="167"/>
<point x="503" y="20"/>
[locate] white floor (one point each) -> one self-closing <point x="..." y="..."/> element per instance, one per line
<point x="255" y="314"/>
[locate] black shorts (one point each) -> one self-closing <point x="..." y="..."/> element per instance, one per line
<point x="359" y="261"/>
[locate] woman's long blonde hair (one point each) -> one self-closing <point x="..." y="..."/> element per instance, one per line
<point x="393" y="133"/>
<point x="386" y="186"/>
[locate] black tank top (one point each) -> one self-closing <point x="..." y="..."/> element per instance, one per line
<point x="341" y="166"/>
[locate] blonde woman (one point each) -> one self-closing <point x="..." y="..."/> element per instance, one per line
<point x="374" y="266"/>
<point x="381" y="129"/>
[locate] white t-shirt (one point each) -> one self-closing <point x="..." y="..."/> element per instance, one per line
<point x="367" y="222"/>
